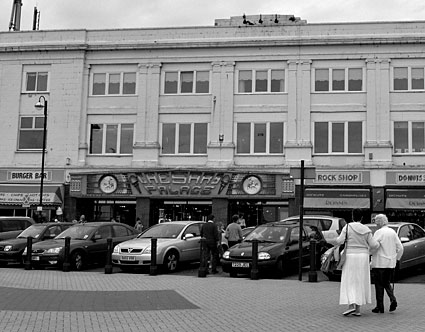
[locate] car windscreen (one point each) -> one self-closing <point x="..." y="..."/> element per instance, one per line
<point x="33" y="231"/>
<point x="82" y="232"/>
<point x="275" y="233"/>
<point x="164" y="231"/>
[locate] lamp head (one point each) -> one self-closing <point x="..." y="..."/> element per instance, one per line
<point x="39" y="106"/>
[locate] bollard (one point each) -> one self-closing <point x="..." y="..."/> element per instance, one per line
<point x="312" y="274"/>
<point x="65" y="266"/>
<point x="108" y="265"/>
<point x="202" y="272"/>
<point x="29" y="254"/>
<point x="254" y="267"/>
<point x="153" y="268"/>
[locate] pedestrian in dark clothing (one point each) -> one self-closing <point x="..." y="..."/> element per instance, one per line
<point x="210" y="232"/>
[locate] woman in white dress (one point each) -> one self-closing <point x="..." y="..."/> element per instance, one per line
<point x="355" y="287"/>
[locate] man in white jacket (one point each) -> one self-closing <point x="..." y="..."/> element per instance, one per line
<point x="384" y="261"/>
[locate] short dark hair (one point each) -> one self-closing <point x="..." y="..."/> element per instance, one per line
<point x="357" y="215"/>
<point x="211" y="217"/>
<point x="235" y="218"/>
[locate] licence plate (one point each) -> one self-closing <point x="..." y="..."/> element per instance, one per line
<point x="128" y="258"/>
<point x="35" y="258"/>
<point x="240" y="264"/>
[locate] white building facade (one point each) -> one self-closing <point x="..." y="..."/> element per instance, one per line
<point x="179" y="123"/>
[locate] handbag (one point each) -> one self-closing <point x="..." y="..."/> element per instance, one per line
<point x="343" y="253"/>
<point x="329" y="264"/>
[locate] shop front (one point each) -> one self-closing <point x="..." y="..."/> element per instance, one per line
<point x="160" y="195"/>
<point x="405" y="197"/>
<point x="337" y="193"/>
<point x="20" y="194"/>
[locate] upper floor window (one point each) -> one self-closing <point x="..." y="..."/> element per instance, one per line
<point x="264" y="138"/>
<point x="338" y="137"/>
<point x="184" y="138"/>
<point x="261" y="81"/>
<point x="31" y="130"/>
<point x="122" y="83"/>
<point x="408" y="78"/>
<point x="36" y="81"/>
<point x="338" y="79"/>
<point x="180" y="82"/>
<point x="111" y="138"/>
<point x="409" y="136"/>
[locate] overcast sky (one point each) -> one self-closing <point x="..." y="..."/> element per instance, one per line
<point x="111" y="14"/>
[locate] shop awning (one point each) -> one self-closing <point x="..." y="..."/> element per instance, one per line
<point x="20" y="194"/>
<point x="412" y="199"/>
<point x="322" y="198"/>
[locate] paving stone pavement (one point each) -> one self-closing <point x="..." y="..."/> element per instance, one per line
<point x="52" y="300"/>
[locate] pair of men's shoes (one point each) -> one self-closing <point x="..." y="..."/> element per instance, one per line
<point x="380" y="310"/>
<point x="393" y="305"/>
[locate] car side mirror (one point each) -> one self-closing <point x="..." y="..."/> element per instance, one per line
<point x="188" y="236"/>
<point x="404" y="239"/>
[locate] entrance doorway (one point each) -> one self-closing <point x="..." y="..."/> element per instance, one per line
<point x="181" y="210"/>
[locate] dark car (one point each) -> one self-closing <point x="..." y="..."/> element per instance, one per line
<point x="278" y="249"/>
<point x="88" y="245"/>
<point x="10" y="227"/>
<point x="11" y="250"/>
<point x="411" y="235"/>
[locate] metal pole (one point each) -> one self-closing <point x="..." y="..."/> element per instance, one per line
<point x="108" y="265"/>
<point x="66" y="264"/>
<point x="42" y="157"/>
<point x="202" y="272"/>
<point x="312" y="274"/>
<point x="154" y="267"/>
<point x="300" y="249"/>
<point x="29" y="254"/>
<point x="254" y="268"/>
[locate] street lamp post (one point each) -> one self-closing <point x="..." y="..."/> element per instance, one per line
<point x="42" y="105"/>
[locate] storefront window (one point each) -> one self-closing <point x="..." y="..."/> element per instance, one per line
<point x="401" y="137"/>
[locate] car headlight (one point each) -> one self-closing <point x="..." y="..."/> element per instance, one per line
<point x="263" y="256"/>
<point x="8" y="248"/>
<point x="226" y="255"/>
<point x="54" y="250"/>
<point x="116" y="249"/>
<point x="147" y="250"/>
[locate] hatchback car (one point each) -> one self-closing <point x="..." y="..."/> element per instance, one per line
<point x="278" y="249"/>
<point x="11" y="250"/>
<point x="88" y="245"/>
<point x="10" y="227"/>
<point x="330" y="226"/>
<point x="411" y="235"/>
<point x="177" y="242"/>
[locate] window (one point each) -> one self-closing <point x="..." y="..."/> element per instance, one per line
<point x="409" y="137"/>
<point x="31" y="132"/>
<point x="184" y="138"/>
<point x="261" y="138"/>
<point x="341" y="79"/>
<point x="187" y="82"/>
<point x="265" y="81"/>
<point x="338" y="137"/>
<point x="111" y="138"/>
<point x="408" y="78"/>
<point x="114" y="84"/>
<point x="36" y="81"/>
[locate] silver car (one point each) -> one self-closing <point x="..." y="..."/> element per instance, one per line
<point x="177" y="241"/>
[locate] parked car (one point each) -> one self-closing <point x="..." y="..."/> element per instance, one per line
<point x="278" y="248"/>
<point x="225" y="243"/>
<point x="10" y="227"/>
<point x="11" y="250"/>
<point x="88" y="245"/>
<point x="330" y="226"/>
<point x="177" y="242"/>
<point x="411" y="235"/>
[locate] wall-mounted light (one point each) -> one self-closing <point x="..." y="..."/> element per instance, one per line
<point x="221" y="138"/>
<point x="275" y="19"/>
<point x="370" y="156"/>
<point x="68" y="161"/>
<point x="260" y="20"/>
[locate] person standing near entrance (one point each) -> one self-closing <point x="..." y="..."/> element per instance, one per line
<point x="241" y="221"/>
<point x="234" y="232"/>
<point x="210" y="232"/>
<point x="384" y="261"/>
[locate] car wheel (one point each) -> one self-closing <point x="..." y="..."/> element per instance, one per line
<point x="233" y="274"/>
<point x="78" y="260"/>
<point x="171" y="261"/>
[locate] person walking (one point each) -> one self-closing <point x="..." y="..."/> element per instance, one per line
<point x="355" y="289"/>
<point x="210" y="232"/>
<point x="138" y="226"/>
<point x="233" y="232"/>
<point x="384" y="261"/>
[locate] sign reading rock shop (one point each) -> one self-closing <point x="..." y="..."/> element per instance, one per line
<point x="338" y="177"/>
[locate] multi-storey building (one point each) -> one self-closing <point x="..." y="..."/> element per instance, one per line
<point x="181" y="122"/>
